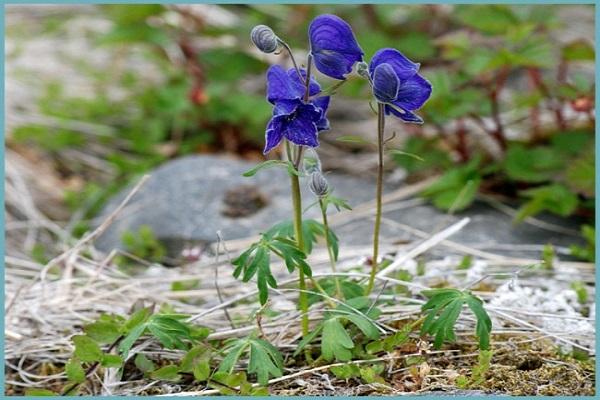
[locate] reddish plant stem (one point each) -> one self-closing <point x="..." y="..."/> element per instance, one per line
<point x="535" y="110"/>
<point x="498" y="133"/>
<point x="461" y="145"/>
<point x="555" y="106"/>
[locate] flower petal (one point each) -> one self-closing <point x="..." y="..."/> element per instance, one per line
<point x="403" y="67"/>
<point x="404" y="115"/>
<point x="281" y="87"/>
<point x="286" y="107"/>
<point x="333" y="46"/>
<point x="413" y="93"/>
<point x="385" y="83"/>
<point x="302" y="129"/>
<point x="274" y="133"/>
<point x="315" y="88"/>
<point x="322" y="103"/>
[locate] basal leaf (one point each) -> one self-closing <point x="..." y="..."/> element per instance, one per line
<point x="74" y="371"/>
<point x="335" y="341"/>
<point x="86" y="349"/>
<point x="264" y="361"/>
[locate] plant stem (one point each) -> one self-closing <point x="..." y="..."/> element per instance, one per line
<point x="380" y="130"/>
<point x="297" y="205"/>
<point x="338" y="288"/>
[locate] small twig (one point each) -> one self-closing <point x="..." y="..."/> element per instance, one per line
<point x="97" y="232"/>
<point x="425" y="245"/>
<point x="220" y="242"/>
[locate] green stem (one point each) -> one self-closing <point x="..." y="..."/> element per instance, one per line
<point x="297" y="205"/>
<point x="380" y="130"/>
<point x="338" y="288"/>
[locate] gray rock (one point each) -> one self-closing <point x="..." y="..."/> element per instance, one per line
<point x="186" y="201"/>
<point x="191" y="198"/>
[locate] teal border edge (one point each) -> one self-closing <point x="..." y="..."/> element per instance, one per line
<point x="2" y="155"/>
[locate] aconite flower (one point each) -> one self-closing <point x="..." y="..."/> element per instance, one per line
<point x="295" y="119"/>
<point x="398" y="85"/>
<point x="333" y="46"/>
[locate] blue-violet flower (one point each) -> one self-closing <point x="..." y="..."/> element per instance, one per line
<point x="333" y="46"/>
<point x="297" y="120"/>
<point x="397" y="84"/>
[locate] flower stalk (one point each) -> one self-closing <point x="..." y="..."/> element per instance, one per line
<point x="297" y="209"/>
<point x="338" y="288"/>
<point x="378" y="195"/>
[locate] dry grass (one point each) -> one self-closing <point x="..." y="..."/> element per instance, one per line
<point x="47" y="304"/>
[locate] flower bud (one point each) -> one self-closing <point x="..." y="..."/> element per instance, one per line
<point x="362" y="69"/>
<point x="318" y="184"/>
<point x="264" y="38"/>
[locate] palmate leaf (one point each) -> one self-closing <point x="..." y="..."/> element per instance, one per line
<point x="336" y="342"/>
<point x="444" y="308"/>
<point x="311" y="230"/>
<point x="256" y="261"/>
<point x="264" y="359"/>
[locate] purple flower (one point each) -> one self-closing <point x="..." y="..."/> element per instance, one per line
<point x="397" y="84"/>
<point x="297" y="120"/>
<point x="333" y="46"/>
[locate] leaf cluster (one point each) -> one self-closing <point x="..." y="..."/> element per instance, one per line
<point x="443" y="309"/>
<point x="256" y="261"/>
<point x="340" y="325"/>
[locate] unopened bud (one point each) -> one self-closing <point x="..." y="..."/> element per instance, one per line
<point x="362" y="68"/>
<point x="318" y="184"/>
<point x="264" y="38"/>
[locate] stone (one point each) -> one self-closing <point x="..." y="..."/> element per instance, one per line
<point x="191" y="198"/>
<point x="186" y="201"/>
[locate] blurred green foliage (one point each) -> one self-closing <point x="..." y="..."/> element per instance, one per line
<point x="204" y="99"/>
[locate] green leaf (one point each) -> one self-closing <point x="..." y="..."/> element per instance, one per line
<point x="397" y="152"/>
<point x="335" y="341"/>
<point x="492" y="19"/>
<point x="167" y="373"/>
<point x="197" y="361"/>
<point x="308" y="338"/>
<point x="581" y="174"/>
<point x="265" y="360"/>
<point x="143" y="363"/>
<point x="457" y="188"/>
<point x="40" y="392"/>
<point x="346" y="371"/>
<point x="201" y="370"/>
<point x="432" y="156"/>
<point x="337" y="202"/>
<point x="130" y="339"/>
<point x="74" y="371"/>
<point x="169" y="331"/>
<point x="234" y="351"/>
<point x="86" y="349"/>
<point x="587" y="252"/>
<point x="138" y="318"/>
<point x="349" y="288"/>
<point x="267" y="164"/>
<point x="364" y="324"/>
<point x="554" y="198"/>
<point x="537" y="164"/>
<point x="103" y="331"/>
<point x="579" y="50"/>
<point x="353" y="139"/>
<point x="111" y="361"/>
<point x="443" y="309"/>
<point x="484" y="323"/>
